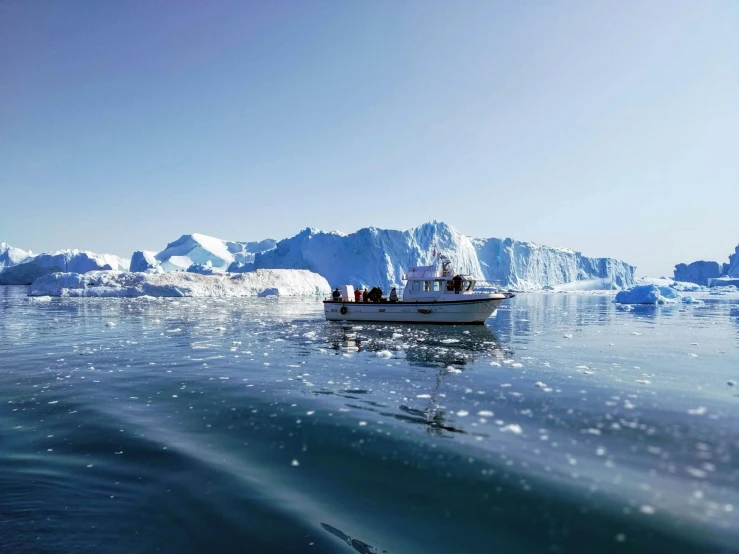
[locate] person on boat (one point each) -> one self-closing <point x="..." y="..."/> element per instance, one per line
<point x="357" y="295"/>
<point x="457" y="280"/>
<point x="365" y="295"/>
<point x="375" y="295"/>
<point x="336" y="295"/>
<point x="393" y="295"/>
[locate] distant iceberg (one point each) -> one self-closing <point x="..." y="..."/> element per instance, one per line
<point x="710" y="274"/>
<point x="62" y="260"/>
<point x="10" y="256"/>
<point x="130" y="284"/>
<point x="202" y="249"/>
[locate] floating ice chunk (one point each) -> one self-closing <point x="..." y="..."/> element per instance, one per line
<point x="384" y="354"/>
<point x="512" y="428"/>
<point x="485" y="413"/>
<point x="463" y="413"/>
<point x="731" y="383"/>
<point x="295" y="463"/>
<point x="648" y="294"/>
<point x="644" y="381"/>
<point x="110" y="324"/>
<point x="700" y="410"/>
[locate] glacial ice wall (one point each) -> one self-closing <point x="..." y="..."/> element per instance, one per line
<point x="373" y="256"/>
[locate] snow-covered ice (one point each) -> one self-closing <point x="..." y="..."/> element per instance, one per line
<point x="276" y="282"/>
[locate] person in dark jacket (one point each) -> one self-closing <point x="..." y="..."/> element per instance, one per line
<point x="336" y="295"/>
<point x="393" y="295"/>
<point x="365" y="295"/>
<point x="457" y="284"/>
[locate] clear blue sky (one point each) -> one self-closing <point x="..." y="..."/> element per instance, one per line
<point x="610" y="127"/>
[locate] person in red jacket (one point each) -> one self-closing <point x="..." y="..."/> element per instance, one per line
<point x="357" y="295"/>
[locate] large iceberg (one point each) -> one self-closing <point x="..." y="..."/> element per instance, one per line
<point x="62" y="260"/>
<point x="697" y="272"/>
<point x="274" y="282"/>
<point x="201" y="249"/>
<point x="10" y="255"/>
<point x="374" y="256"/>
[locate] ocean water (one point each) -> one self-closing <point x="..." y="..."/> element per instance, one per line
<point x="566" y="424"/>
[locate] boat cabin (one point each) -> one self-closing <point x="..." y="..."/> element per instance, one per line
<point x="436" y="283"/>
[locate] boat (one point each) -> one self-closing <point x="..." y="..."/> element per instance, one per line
<point x="433" y="294"/>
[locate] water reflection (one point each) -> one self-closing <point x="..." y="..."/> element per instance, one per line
<point x="420" y="345"/>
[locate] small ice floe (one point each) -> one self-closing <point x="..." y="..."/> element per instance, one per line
<point x="516" y="364"/>
<point x="452" y="369"/>
<point x="110" y="324"/>
<point x="423" y="396"/>
<point x="495" y="364"/>
<point x="568" y="335"/>
<point x="449" y="341"/>
<point x="463" y="413"/>
<point x="485" y="413"/>
<point x="647" y="509"/>
<point x="295" y="463"/>
<point x="384" y="354"/>
<point x="540" y="385"/>
<point x="512" y="428"/>
<point x="731" y="383"/>
<point x="362" y="423"/>
<point x="691" y="355"/>
<point x="637" y="334"/>
<point x="644" y="381"/>
<point x="700" y="410"/>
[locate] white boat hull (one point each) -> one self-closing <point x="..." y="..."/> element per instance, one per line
<point x="465" y="312"/>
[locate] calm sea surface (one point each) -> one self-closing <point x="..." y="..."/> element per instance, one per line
<point x="566" y="424"/>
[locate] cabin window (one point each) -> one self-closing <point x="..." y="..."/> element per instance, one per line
<point x="450" y="286"/>
<point x="427" y="286"/>
<point x="437" y="286"/>
<point x="416" y="286"/>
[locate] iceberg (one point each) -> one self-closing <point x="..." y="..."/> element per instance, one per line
<point x="372" y="256"/>
<point x="697" y="272"/>
<point x="261" y="283"/>
<point x="62" y="260"/>
<point x="201" y="249"/>
<point x="732" y="268"/>
<point x="710" y="273"/>
<point x="143" y="260"/>
<point x="648" y="294"/>
<point x="10" y="256"/>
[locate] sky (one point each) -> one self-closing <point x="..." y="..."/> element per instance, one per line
<point x="609" y="127"/>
